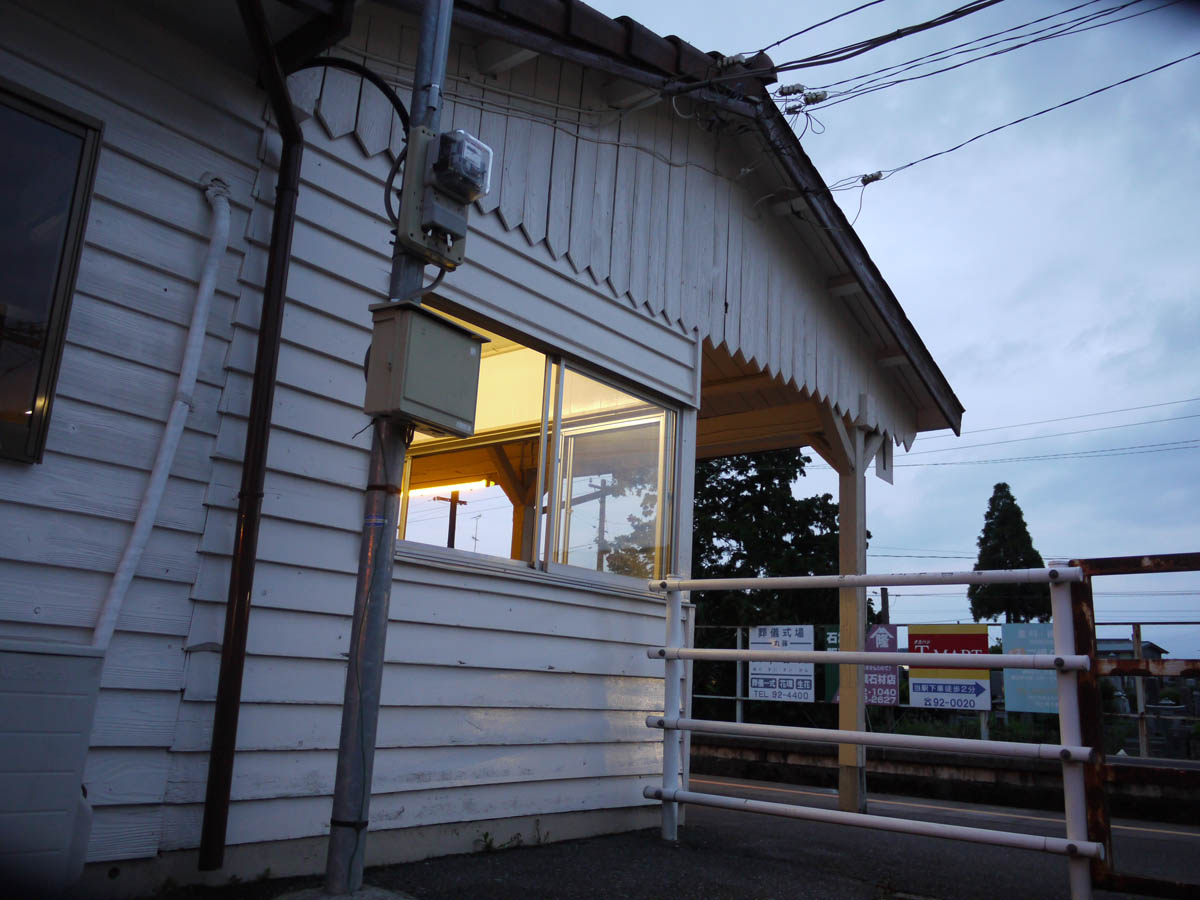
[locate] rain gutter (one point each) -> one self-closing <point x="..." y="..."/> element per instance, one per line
<point x="254" y="465"/>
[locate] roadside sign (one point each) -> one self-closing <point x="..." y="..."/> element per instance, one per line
<point x="792" y="682"/>
<point x="967" y="689"/>
<point x="1029" y="690"/>
<point x="881" y="684"/>
<point x="827" y="639"/>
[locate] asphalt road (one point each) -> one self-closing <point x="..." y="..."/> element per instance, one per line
<point x="727" y="855"/>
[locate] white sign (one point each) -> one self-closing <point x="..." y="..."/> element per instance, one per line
<point x="946" y="693"/>
<point x="781" y="680"/>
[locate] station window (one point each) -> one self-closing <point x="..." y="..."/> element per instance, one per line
<point x="47" y="163"/>
<point x="601" y="500"/>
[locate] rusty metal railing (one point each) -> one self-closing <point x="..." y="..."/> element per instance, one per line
<point x="1098" y="772"/>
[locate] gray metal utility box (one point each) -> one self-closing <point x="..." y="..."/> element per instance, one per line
<point x="47" y="701"/>
<point x="423" y="368"/>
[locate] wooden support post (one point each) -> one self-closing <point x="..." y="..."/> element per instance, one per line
<point x="849" y="458"/>
<point x="852" y="622"/>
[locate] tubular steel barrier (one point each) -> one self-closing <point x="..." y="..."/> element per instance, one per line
<point x="1067" y="661"/>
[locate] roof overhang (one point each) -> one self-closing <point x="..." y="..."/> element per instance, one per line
<point x="630" y="52"/>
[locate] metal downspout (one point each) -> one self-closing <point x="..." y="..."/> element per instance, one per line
<point x="245" y="545"/>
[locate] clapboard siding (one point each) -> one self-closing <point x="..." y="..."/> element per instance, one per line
<point x="619" y="238"/>
<point x="282" y="633"/>
<point x="277" y="726"/>
<point x="36" y="592"/>
<point x="281" y="774"/>
<point x="170" y="114"/>
<point x="284" y="680"/>
<point x="306" y="816"/>
<point x="655" y="207"/>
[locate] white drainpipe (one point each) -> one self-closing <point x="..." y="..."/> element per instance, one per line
<point x="217" y="193"/>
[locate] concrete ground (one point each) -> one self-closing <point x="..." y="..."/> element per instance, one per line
<point x="724" y="855"/>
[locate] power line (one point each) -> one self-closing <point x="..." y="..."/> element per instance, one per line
<point x="1038" y="437"/>
<point x="1134" y="450"/>
<point x="1079" y="25"/>
<point x="1092" y="415"/>
<point x="1131" y="450"/>
<point x="840" y="54"/>
<point x="796" y="34"/>
<point x="1063" y="30"/>
<point x="853" y="181"/>
<point x="966" y="44"/>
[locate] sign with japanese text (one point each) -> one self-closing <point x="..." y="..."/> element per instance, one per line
<point x="881" y="684"/>
<point x="781" y="680"/>
<point x="1029" y="690"/>
<point x="965" y="689"/>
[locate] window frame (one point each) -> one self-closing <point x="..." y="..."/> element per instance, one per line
<point x="668" y="423"/>
<point x="91" y="131"/>
<point x="550" y="436"/>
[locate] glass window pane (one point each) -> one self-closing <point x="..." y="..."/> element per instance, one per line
<point x="39" y="167"/>
<point x="615" y="477"/>
<point x="480" y="493"/>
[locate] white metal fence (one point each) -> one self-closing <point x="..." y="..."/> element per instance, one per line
<point x="1073" y="755"/>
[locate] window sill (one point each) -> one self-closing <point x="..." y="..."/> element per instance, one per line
<point x="570" y="577"/>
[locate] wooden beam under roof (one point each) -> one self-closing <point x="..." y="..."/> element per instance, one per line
<point x="496" y="57"/>
<point x="741" y="384"/>
<point x="774" y="428"/>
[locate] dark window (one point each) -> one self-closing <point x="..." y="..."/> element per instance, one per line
<point x="47" y="163"/>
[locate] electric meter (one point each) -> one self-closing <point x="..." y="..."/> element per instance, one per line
<point x="462" y="166"/>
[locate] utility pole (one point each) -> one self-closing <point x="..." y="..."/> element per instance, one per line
<point x="884" y="613"/>
<point x="389" y="444"/>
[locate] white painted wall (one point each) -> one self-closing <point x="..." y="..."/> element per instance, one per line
<point x="496" y="676"/>
<point x="63" y="523"/>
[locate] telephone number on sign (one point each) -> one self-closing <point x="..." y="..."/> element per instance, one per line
<point x="949" y="702"/>
<point x="800" y="696"/>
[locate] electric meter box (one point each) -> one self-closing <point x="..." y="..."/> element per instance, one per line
<point x="424" y="369"/>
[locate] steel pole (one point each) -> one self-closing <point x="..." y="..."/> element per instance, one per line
<point x="364" y="674"/>
<point x="672" y="758"/>
<point x="1070" y="733"/>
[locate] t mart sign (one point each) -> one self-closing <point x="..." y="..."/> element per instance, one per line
<point x="968" y="689"/>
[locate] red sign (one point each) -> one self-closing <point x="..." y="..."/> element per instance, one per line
<point x="948" y="639"/>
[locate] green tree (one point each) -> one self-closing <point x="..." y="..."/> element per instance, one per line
<point x="1005" y="543"/>
<point x="748" y="524"/>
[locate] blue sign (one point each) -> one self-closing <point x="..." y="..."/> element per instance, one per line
<point x="1029" y="690"/>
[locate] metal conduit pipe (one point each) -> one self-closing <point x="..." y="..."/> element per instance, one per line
<point x="1013" y="839"/>
<point x="254" y="460"/>
<point x="1072" y="663"/>
<point x="1010" y="749"/>
<point x="1056" y="575"/>
<point x="217" y="193"/>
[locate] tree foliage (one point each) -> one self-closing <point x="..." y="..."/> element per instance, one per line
<point x="748" y="524"/>
<point x="1005" y="543"/>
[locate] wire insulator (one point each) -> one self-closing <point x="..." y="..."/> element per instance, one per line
<point x="789" y="89"/>
<point x="725" y="62"/>
<point x="873" y="177"/>
<point x="793" y="109"/>
<point x="813" y="97"/>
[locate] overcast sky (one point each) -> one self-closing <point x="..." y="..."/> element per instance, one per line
<point x="1052" y="269"/>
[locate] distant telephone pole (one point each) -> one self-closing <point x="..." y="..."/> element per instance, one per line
<point x="884" y="618"/>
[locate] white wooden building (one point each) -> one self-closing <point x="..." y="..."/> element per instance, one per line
<point x="668" y="264"/>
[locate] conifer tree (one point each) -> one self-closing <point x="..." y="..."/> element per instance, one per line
<point x="1005" y="543"/>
